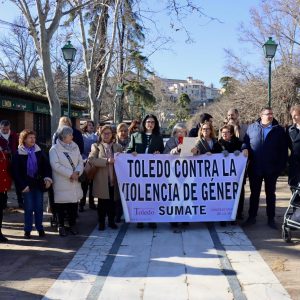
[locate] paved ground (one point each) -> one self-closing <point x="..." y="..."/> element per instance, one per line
<point x="145" y="264"/>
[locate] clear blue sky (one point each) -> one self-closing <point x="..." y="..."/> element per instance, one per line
<point x="204" y="59"/>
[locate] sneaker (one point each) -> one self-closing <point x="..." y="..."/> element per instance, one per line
<point x="249" y="222"/>
<point x="27" y="234"/>
<point x="113" y="226"/>
<point x="101" y="226"/>
<point x="272" y="224"/>
<point x="62" y="231"/>
<point x="41" y="233"/>
<point x="74" y="230"/>
<point x="3" y="239"/>
<point x="140" y="225"/>
<point x="153" y="225"/>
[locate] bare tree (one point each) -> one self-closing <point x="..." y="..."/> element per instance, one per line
<point x="96" y="53"/>
<point x="43" y="20"/>
<point x="18" y="59"/>
<point x="279" y="19"/>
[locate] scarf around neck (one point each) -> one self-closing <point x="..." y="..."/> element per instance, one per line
<point x="68" y="147"/>
<point x="31" y="161"/>
<point x="5" y="135"/>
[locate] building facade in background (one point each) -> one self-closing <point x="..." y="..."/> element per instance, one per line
<point x="199" y="93"/>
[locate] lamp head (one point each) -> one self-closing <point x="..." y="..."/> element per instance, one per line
<point x="270" y="48"/>
<point x="69" y="52"/>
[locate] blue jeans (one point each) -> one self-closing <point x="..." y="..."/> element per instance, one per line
<point x="33" y="203"/>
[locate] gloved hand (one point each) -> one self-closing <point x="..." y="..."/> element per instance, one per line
<point x="237" y="152"/>
<point x="225" y="153"/>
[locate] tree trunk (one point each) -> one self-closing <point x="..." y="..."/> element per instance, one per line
<point x="54" y="103"/>
<point x="94" y="104"/>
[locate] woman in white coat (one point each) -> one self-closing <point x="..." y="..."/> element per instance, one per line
<point x="67" y="166"/>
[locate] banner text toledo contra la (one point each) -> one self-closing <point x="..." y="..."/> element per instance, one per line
<point x="168" y="188"/>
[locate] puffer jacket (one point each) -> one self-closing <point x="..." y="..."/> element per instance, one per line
<point x="267" y="156"/>
<point x="65" y="190"/>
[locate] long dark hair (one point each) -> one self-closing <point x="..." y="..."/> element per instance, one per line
<point x="156" y="129"/>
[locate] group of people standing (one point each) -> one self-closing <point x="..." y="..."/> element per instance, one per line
<point x="264" y="142"/>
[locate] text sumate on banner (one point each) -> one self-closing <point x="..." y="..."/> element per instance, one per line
<point x="168" y="188"/>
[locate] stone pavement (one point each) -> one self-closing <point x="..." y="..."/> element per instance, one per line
<point x="199" y="262"/>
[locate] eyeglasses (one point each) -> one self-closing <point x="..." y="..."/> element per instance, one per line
<point x="106" y="133"/>
<point x="205" y="129"/>
<point x="268" y="114"/>
<point x="150" y="122"/>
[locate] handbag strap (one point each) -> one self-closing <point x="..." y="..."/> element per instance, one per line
<point x="205" y="147"/>
<point x="70" y="160"/>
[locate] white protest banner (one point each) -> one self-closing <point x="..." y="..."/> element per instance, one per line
<point x="169" y="188"/>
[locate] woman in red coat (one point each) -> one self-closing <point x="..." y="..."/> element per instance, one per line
<point x="5" y="184"/>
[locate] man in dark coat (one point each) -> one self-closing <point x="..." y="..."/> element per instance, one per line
<point x="266" y="142"/>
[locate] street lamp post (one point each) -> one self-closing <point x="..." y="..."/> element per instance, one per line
<point x="131" y="103"/>
<point x="69" y="53"/>
<point x="119" y="94"/>
<point x="269" y="49"/>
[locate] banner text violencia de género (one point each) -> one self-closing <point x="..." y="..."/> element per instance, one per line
<point x="168" y="188"/>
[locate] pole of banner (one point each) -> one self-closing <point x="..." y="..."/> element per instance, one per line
<point x="238" y="194"/>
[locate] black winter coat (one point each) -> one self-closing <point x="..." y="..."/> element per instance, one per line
<point x="19" y="170"/>
<point x="138" y="143"/>
<point x="267" y="156"/>
<point x="194" y="131"/>
<point x="233" y="145"/>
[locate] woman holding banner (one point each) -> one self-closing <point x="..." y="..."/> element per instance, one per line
<point x="173" y="144"/>
<point x="149" y="141"/>
<point x="173" y="147"/>
<point x="105" y="186"/>
<point x="207" y="143"/>
<point x="231" y="144"/>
